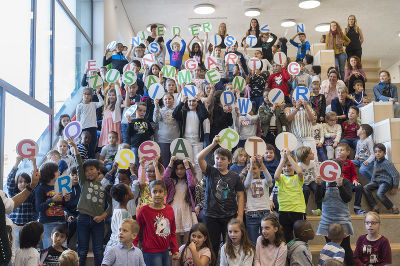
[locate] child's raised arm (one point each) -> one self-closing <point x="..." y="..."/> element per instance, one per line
<point x="142" y="178"/>
<point x="202" y="155"/>
<point x="11" y="186"/>
<point x="156" y="164"/>
<point x="296" y="167"/>
<point x="278" y="171"/>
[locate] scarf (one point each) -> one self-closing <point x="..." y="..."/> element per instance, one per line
<point x="339" y="40"/>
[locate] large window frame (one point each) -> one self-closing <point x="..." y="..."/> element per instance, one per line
<point x="6" y="88"/>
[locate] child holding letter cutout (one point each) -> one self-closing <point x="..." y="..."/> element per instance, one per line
<point x="176" y="52"/>
<point x="292" y="206"/>
<point x="335" y="209"/>
<point x="224" y="193"/>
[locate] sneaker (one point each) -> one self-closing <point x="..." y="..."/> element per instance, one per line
<point x="317" y="212"/>
<point x="360" y="212"/>
<point x="395" y="210"/>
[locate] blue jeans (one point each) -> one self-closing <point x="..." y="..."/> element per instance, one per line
<point x="87" y="227"/>
<point x="156" y="259"/>
<point x="124" y="137"/>
<point x="306" y="191"/>
<point x="364" y="169"/>
<point x="340" y="62"/>
<point x="253" y="224"/>
<point x="47" y="229"/>
<point x="351" y="141"/>
<point x="382" y="188"/>
<point x="136" y="152"/>
<point x="358" y="195"/>
<point x="321" y="154"/>
<point x="258" y="102"/>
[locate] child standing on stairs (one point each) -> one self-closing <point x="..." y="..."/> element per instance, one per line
<point x="372" y="248"/>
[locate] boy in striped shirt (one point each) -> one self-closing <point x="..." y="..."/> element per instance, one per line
<point x="333" y="250"/>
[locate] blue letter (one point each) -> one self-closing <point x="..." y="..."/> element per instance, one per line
<point x="243" y="105"/>
<point x="264" y="28"/>
<point x="229" y="40"/>
<point x="231" y="97"/>
<point x="252" y="38"/>
<point x="192" y="92"/>
<point x="301" y="91"/>
<point x="276" y="96"/>
<point x="300" y="27"/>
<point x="64" y="182"/>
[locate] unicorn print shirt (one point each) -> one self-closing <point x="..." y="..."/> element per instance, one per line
<point x="158" y="228"/>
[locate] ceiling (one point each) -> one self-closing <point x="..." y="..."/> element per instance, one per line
<point x="379" y="19"/>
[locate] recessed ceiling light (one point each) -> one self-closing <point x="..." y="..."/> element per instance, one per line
<point x="252" y="12"/>
<point x="398" y="34"/>
<point x="288" y="23"/>
<point x="204" y="9"/>
<point x="323" y="27"/>
<point x="308" y="4"/>
<point x="158" y="24"/>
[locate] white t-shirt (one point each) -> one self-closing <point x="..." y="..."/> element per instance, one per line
<point x="26" y="256"/>
<point x="86" y="113"/>
<point x="310" y="172"/>
<point x="192" y="126"/>
<point x="188" y="258"/>
<point x="258" y="192"/>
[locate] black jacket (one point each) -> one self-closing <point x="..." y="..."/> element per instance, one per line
<point x="118" y="61"/>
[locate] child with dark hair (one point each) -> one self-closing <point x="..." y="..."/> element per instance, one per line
<point x="62" y="123"/>
<point x="49" y="203"/>
<point x="180" y="183"/>
<point x="333" y="249"/>
<point x="83" y="145"/>
<point x="318" y="101"/>
<point x="359" y="92"/>
<point x="350" y="127"/>
<point x="92" y="208"/>
<point x="364" y="155"/>
<point x="50" y="255"/>
<point x="198" y="248"/>
<point x="72" y="212"/>
<point x="308" y="61"/>
<point x="196" y="51"/>
<point x="385" y="178"/>
<point x="271" y="243"/>
<point x="122" y="194"/>
<point x="299" y="252"/>
<point x="109" y="151"/>
<point x="26" y="212"/>
<point x="29" y="238"/>
<point x="303" y="48"/>
<point x="224" y="197"/>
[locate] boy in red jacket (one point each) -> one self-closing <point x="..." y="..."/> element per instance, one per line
<point x="279" y="79"/>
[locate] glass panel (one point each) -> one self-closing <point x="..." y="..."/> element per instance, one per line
<point x="72" y="51"/>
<point x="18" y="126"/>
<point x="15" y="21"/>
<point x="81" y="11"/>
<point x="42" y="51"/>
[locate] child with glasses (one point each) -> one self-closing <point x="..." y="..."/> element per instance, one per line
<point x="372" y="248"/>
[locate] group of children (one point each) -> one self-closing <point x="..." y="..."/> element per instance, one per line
<point x="167" y="207"/>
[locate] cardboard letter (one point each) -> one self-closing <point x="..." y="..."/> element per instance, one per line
<point x="190" y="91"/>
<point x="255" y="146"/>
<point x="229" y="138"/>
<point x="206" y="26"/>
<point x="73" y="130"/>
<point x="254" y="63"/>
<point x="168" y="71"/>
<point x="300" y="28"/>
<point x="211" y="63"/>
<point x="230" y="40"/>
<point x="112" y="75"/>
<point x="227" y="98"/>
<point x="129" y="77"/>
<point x="238" y="83"/>
<point x="160" y="30"/>
<point x="148" y="150"/>
<point x="276" y="95"/>
<point x="150" y="80"/>
<point x="231" y="58"/>
<point x="245" y="105"/>
<point x="302" y="92"/>
<point x="213" y="76"/>
<point x="264" y="28"/>
<point x="286" y="140"/>
<point x="135" y="41"/>
<point x="184" y="76"/>
<point x="330" y="171"/>
<point x="176" y="30"/>
<point x="27" y="148"/>
<point x="194" y="30"/>
<point x="154" y="47"/>
<point x="251" y="40"/>
<point x="124" y="157"/>
<point x="191" y="64"/>
<point x="180" y="148"/>
<point x="293" y="68"/>
<point x="95" y="81"/>
<point x="156" y="91"/>
<point x="91" y="65"/>
<point x="280" y="58"/>
<point x="216" y="40"/>
<point x="63" y="185"/>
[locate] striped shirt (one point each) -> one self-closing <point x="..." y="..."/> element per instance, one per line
<point x="385" y="172"/>
<point x="300" y="126"/>
<point x="331" y="251"/>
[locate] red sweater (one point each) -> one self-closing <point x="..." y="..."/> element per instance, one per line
<point x="376" y="252"/>
<point x="279" y="81"/>
<point x="349" y="170"/>
<point x="158" y="227"/>
<point x="350" y="130"/>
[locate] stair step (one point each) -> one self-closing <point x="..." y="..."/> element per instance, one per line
<point x="358" y="217"/>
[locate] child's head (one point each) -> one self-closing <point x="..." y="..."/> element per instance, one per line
<point x="304" y="153"/>
<point x="336" y="233"/>
<point x="139" y="51"/>
<point x="308" y="60"/>
<point x="302" y="36"/>
<point x="170" y="85"/>
<point x="59" y="235"/>
<point x="196" y="48"/>
<point x="151" y="170"/>
<point x="277" y="68"/>
<point x="236" y="70"/>
<point x="63" y="122"/>
<point x="74" y="175"/>
<point x="271" y="231"/>
<point x="53" y="156"/>
<point x="358" y="86"/>
<point x="342" y="94"/>
<point x="30" y="235"/>
<point x="137" y="64"/>
<point x="141" y="110"/>
<point x="68" y="257"/>
<point x="132" y="89"/>
<point x="315" y="70"/>
<point x="303" y="230"/>
<point x="342" y="151"/>
<point x="237" y="236"/>
<point x="176" y="46"/>
<point x="168" y="100"/>
<point x="316" y="87"/>
<point x="128" y="231"/>
<point x="240" y="156"/>
<point x="366" y="100"/>
<point x="85" y="137"/>
<point x="331" y="118"/>
<point x="354" y="62"/>
<point x="379" y="151"/>
<point x="270" y="153"/>
<point x="372" y="223"/>
<point x="222" y="158"/>
<point x="124" y="177"/>
<point x="23" y="179"/>
<point x="258" y="54"/>
<point x="91" y="168"/>
<point x="255" y="167"/>
<point x="217" y="51"/>
<point x="87" y="95"/>
<point x="179" y="170"/>
<point x="121" y="193"/>
<point x="111" y="99"/>
<point x="288" y="168"/>
<point x="158" y="191"/>
<point x="112" y="138"/>
<point x="353" y="113"/>
<point x="62" y="147"/>
<point x="154" y="70"/>
<point x="124" y="146"/>
<point x="200" y="237"/>
<point x="365" y="131"/>
<point x="48" y="172"/>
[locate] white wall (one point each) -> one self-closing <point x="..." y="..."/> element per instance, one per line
<point x="394" y="71"/>
<point x="98" y="31"/>
<point x="116" y="23"/>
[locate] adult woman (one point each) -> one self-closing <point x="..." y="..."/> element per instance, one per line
<point x="336" y="40"/>
<point x="341" y="104"/>
<point x="222" y="33"/>
<point x="330" y="86"/>
<point x="354" y="71"/>
<point x="355" y="34"/>
<point x="151" y="38"/>
<point x="254" y="30"/>
<point x="385" y="91"/>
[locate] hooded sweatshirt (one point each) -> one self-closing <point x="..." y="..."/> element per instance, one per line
<point x="299" y="253"/>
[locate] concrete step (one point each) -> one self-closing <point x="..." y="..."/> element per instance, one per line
<point x="316" y="250"/>
<point x="371" y="63"/>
